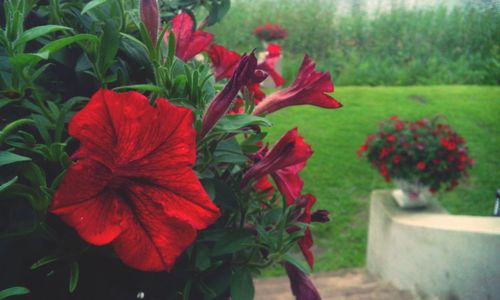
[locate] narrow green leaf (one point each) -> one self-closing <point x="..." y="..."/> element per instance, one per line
<point x="7" y="157"/>
<point x="242" y="285"/>
<point x="235" y="122"/>
<point x="44" y="261"/>
<point x="5" y="185"/>
<point x="73" y="276"/>
<point x="19" y="61"/>
<point x="232" y="241"/>
<point x="61" y="43"/>
<point x="140" y="87"/>
<point x="298" y="263"/>
<point x="37" y="32"/>
<point x="92" y="4"/>
<point x="13" y="291"/>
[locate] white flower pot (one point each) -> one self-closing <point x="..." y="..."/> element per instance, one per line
<point x="411" y="194"/>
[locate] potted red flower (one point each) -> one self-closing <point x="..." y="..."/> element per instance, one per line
<point x="270" y="32"/>
<point x="420" y="156"/>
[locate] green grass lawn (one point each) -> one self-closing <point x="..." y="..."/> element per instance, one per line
<point x="342" y="183"/>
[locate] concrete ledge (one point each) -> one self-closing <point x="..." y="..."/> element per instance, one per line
<point x="433" y="253"/>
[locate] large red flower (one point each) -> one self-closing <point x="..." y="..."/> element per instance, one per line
<point x="224" y="61"/>
<point x="132" y="184"/>
<point x="283" y="162"/>
<point x="188" y="41"/>
<point x="310" y="87"/>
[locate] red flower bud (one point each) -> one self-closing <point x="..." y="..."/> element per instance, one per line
<point x="150" y="17"/>
<point x="244" y="74"/>
<point x="302" y="286"/>
<point x="320" y="216"/>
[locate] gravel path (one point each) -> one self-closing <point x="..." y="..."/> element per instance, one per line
<point x="349" y="284"/>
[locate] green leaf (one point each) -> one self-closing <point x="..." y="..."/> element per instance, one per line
<point x="74" y="274"/>
<point x="44" y="261"/>
<point x="6" y="185"/>
<point x="140" y="87"/>
<point x="7" y="157"/>
<point x="13" y="291"/>
<point x="234" y="122"/>
<point x="217" y="11"/>
<point x="108" y="46"/>
<point x="233" y="241"/>
<point x="61" y="43"/>
<point x="92" y="4"/>
<point x="19" y="61"/>
<point x="229" y="151"/>
<point x="202" y="261"/>
<point x="37" y="32"/>
<point x="241" y="285"/>
<point x="298" y="263"/>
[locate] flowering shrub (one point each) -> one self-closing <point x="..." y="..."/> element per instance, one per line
<point x="270" y="32"/>
<point x="425" y="151"/>
<point x="131" y="170"/>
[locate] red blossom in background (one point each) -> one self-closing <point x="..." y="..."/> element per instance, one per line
<point x="283" y="162"/>
<point x="310" y="87"/>
<point x="224" y="61"/>
<point x="132" y="184"/>
<point x="270" y="32"/>
<point x="188" y="41"/>
<point x="429" y="152"/>
<point x="269" y="64"/>
<point x="421" y="165"/>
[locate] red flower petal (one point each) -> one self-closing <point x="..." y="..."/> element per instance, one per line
<point x="224" y="61"/>
<point x="306" y="242"/>
<point x="188" y="42"/>
<point x="135" y="180"/>
<point x="153" y="239"/>
<point x="309" y="87"/>
<point x="289" y="182"/>
<point x="289" y="150"/>
<point x="83" y="199"/>
<point x="269" y="63"/>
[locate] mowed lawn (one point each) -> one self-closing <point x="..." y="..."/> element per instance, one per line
<point x="342" y="183"/>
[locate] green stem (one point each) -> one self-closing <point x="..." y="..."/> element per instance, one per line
<point x="10" y="127"/>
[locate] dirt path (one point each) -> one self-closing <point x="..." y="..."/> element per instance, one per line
<point x="350" y="284"/>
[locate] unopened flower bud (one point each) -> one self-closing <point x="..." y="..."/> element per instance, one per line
<point x="150" y="17"/>
<point x="320" y="216"/>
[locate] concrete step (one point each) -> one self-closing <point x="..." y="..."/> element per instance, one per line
<point x="349" y="284"/>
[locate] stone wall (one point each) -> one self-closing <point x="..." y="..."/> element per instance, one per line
<point x="433" y="253"/>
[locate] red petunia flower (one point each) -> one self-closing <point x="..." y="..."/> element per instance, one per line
<point x="396" y="159"/>
<point x="384" y="172"/>
<point x="188" y="41"/>
<point x="132" y="184"/>
<point x="283" y="162"/>
<point x="269" y="64"/>
<point x="391" y="138"/>
<point x="224" y="61"/>
<point x="310" y="87"/>
<point x="421" y="165"/>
